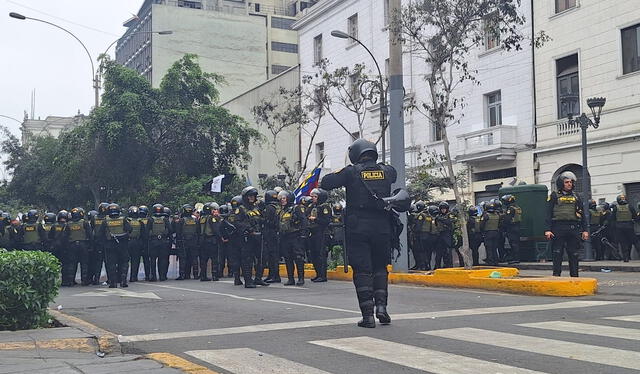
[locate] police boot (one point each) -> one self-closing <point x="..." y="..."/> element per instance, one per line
<point x="291" y="281"/>
<point x="364" y="291"/>
<point x="195" y="271"/>
<point x="214" y="276"/>
<point x="248" y="282"/>
<point x="182" y="276"/>
<point x="300" y="268"/>
<point x="204" y="278"/>
<point x="259" y="282"/>
<point x="368" y="322"/>
<point x="237" y="281"/>
<point x="380" y="297"/>
<point x="123" y="281"/>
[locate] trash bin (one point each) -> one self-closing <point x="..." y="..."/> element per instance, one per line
<point x="532" y="198"/>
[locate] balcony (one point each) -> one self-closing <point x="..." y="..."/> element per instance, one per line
<point x="493" y="143"/>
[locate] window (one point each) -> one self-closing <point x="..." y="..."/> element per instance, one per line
<point x="317" y="49"/>
<point x="494" y="108"/>
<point x="386" y="11"/>
<point x="282" y="23"/>
<point x="491" y="36"/>
<point x="354" y="87"/>
<point x="562" y="5"/>
<point x="279" y="69"/>
<point x="319" y="152"/>
<point x="568" y="85"/>
<point x="494" y="174"/>
<point x="284" y="47"/>
<point x="189" y="4"/>
<point x="436" y="133"/>
<point x="631" y="49"/>
<point x="352" y="26"/>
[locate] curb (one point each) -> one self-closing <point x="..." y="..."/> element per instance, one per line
<point x="176" y="362"/>
<point x="478" y="278"/>
<point x="87" y="345"/>
<point x="107" y="342"/>
<point x="595" y="267"/>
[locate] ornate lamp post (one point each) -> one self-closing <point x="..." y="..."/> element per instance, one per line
<point x="583" y="120"/>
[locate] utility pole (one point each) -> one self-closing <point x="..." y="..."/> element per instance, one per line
<point x="396" y="122"/>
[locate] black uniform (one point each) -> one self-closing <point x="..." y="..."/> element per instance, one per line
<point x="270" y="237"/>
<point x="208" y="230"/>
<point x="490" y="227"/>
<point x="368" y="227"/>
<point x="96" y="257"/>
<point x="249" y="222"/>
<point x="115" y="232"/>
<point x="186" y="229"/>
<point x="426" y="235"/>
<point x="78" y="235"/>
<point x="59" y="237"/>
<point x="159" y="230"/>
<point x="319" y="218"/>
<point x="445" y="222"/>
<point x="623" y="217"/>
<point x="138" y="240"/>
<point x="511" y="228"/>
<point x="475" y="237"/>
<point x="292" y="229"/>
<point x="565" y="220"/>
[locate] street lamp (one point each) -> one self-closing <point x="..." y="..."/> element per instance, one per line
<point x="595" y="104"/>
<point x="93" y="70"/>
<point x="378" y="85"/>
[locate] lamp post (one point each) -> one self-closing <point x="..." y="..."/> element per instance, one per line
<point x="583" y="120"/>
<point x="379" y="85"/>
<point x="93" y="70"/>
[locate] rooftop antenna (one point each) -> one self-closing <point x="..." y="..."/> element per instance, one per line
<point x="33" y="103"/>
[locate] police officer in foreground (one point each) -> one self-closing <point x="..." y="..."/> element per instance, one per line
<point x="79" y="240"/>
<point x="115" y="230"/>
<point x="368" y="226"/>
<point x="564" y="224"/>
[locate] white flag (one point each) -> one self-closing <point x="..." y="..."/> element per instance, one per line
<point x="216" y="183"/>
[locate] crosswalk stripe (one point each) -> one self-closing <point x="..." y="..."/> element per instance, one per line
<point x="249" y="361"/>
<point x="588" y="329"/>
<point x="635" y="318"/>
<point x="569" y="350"/>
<point x="350" y="320"/>
<point x="418" y="358"/>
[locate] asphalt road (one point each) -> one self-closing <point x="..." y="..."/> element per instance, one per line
<point x="312" y="329"/>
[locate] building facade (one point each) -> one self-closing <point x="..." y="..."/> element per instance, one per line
<point x="245" y="42"/>
<point x="594" y="52"/>
<point x="50" y="126"/>
<point x="495" y="137"/>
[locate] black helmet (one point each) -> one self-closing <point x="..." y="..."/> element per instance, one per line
<point x="102" y="209"/>
<point x="77" y="214"/>
<point x="473" y="211"/>
<point x="92" y="213"/>
<point x="270" y="197"/>
<point x="236" y="201"/>
<point x="206" y="209"/>
<point x="49" y="217"/>
<point x="133" y="211"/>
<point x="359" y="147"/>
<point x="508" y="199"/>
<point x="337" y="208"/>
<point x="322" y="195"/>
<point x="113" y="210"/>
<point x="32" y="216"/>
<point x="420" y="205"/>
<point x="443" y="205"/>
<point x="187" y="210"/>
<point x="249" y="191"/>
<point x="483" y="205"/>
<point x="214" y="206"/>
<point x="564" y="176"/>
<point x="306" y="200"/>
<point x="143" y="211"/>
<point x="224" y="210"/>
<point x="433" y="210"/>
<point x="592" y="204"/>
<point x="287" y="195"/>
<point x="158" y="210"/>
<point x="491" y="207"/>
<point x="622" y="200"/>
<point x="166" y="211"/>
<point x="606" y="206"/>
<point x="63" y="216"/>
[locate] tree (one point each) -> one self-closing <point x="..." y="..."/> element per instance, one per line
<point x="443" y="33"/>
<point x="431" y="175"/>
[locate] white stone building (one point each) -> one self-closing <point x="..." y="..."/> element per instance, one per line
<point x="50" y="126"/>
<point x="595" y="52"/>
<point x="496" y="134"/>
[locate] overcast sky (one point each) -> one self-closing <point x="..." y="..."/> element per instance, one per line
<point x="38" y="56"/>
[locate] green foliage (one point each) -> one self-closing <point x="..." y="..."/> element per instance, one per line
<point x="431" y="176"/>
<point x="141" y="144"/>
<point x="29" y="281"/>
<point x="335" y="259"/>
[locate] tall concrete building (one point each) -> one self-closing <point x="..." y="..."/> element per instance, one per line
<point x="50" y="126"/>
<point x="245" y="42"/>
<point x="594" y="52"/>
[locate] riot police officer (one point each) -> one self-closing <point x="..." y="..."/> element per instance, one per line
<point x="208" y="230"/>
<point x="250" y="223"/>
<point x="59" y="239"/>
<point x="98" y="243"/>
<point x="270" y="236"/>
<point x="623" y="216"/>
<point x="511" y="227"/>
<point x="445" y="221"/>
<point x="368" y="226"/>
<point x="475" y="234"/>
<point x="159" y="230"/>
<point x="426" y="235"/>
<point x="564" y="223"/>
<point x="292" y="224"/>
<point x="490" y="227"/>
<point x="187" y="244"/>
<point x="115" y="230"/>
<point x="28" y="236"/>
<point x="595" y="226"/>
<point x="235" y="238"/>
<point x="79" y="240"/>
<point x="137" y="243"/>
<point x="319" y="217"/>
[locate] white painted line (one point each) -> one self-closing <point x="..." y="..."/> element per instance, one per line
<point x="248" y="361"/>
<point x="119" y="292"/>
<point x="418" y="358"/>
<point x="346" y="321"/>
<point x="310" y="306"/>
<point x="588" y="329"/>
<point x="550" y="347"/>
<point x="635" y="318"/>
<point x="200" y="291"/>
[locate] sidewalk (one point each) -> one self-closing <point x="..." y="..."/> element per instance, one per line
<point x="631" y="266"/>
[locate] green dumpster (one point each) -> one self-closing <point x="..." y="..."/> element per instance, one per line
<point x="532" y="198"/>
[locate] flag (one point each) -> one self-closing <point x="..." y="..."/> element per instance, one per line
<point x="216" y="183"/>
<point x="308" y="184"/>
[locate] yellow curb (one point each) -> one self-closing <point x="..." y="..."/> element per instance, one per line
<point x="107" y="341"/>
<point x="70" y="344"/>
<point x="479" y="278"/>
<point x="174" y="361"/>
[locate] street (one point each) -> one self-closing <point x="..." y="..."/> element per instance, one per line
<point x="312" y="329"/>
